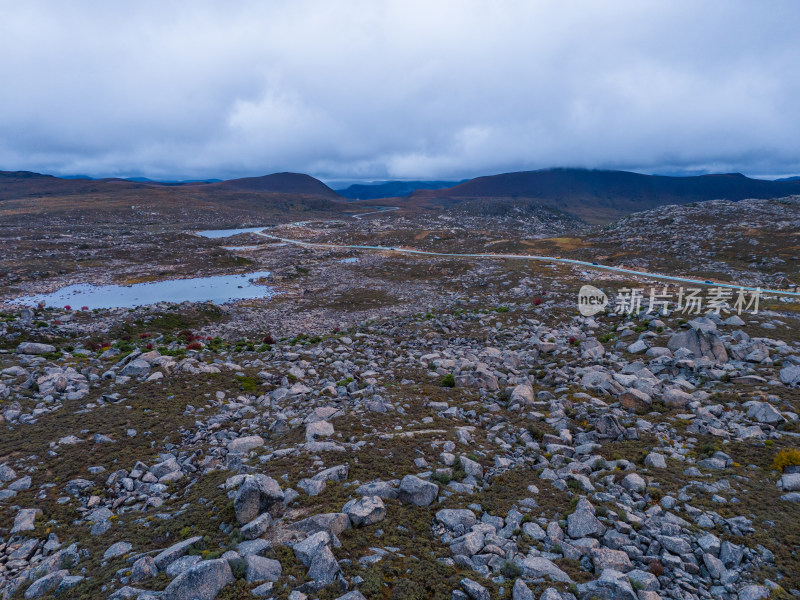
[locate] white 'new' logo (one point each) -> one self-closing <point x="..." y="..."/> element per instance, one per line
<point x="591" y="300"/>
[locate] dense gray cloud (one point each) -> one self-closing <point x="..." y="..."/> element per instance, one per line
<point x="406" y="89"/>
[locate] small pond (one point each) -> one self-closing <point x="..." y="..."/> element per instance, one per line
<point x="223" y="233"/>
<point x="218" y="289"/>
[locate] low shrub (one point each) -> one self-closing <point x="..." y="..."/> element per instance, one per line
<point x="788" y="457"/>
<point x="656" y="568"/>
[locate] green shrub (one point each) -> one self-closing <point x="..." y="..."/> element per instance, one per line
<point x="248" y="384"/>
<point x="448" y="381"/>
<point x="511" y="570"/>
<point x="441" y="478"/>
<point x="239" y="567"/>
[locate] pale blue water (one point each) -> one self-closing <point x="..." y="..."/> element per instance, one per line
<point x="218" y="289"/>
<point x="223" y="233"/>
<point x="352" y="259"/>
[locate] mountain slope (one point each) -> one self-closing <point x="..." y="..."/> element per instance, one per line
<point x="391" y="189"/>
<point x="26" y="184"/>
<point x="280" y="183"/>
<point x="601" y="196"/>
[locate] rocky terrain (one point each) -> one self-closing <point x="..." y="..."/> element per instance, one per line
<point x="392" y="426"/>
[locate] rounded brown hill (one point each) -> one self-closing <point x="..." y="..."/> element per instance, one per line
<point x="280" y="183"/>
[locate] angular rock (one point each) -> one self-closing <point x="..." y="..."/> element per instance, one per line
<point x="790" y="375"/>
<point x="382" y="489"/>
<point x="332" y="523"/>
<point x="634" y="483"/>
<point x="471" y="467"/>
<point x="34" y="348"/>
<point x="203" y="581"/>
<point x="606" y="558"/>
<point x="790" y="482"/>
<point x="538" y="566"/>
<point x="262" y="569"/>
<point x="143" y="569"/>
<point x="583" y="522"/>
<point x="365" y="511"/>
<point x="522" y="394"/>
<point x="611" y="585"/>
<point x="256" y="495"/>
<point x="475" y="590"/>
<point x="243" y="445"/>
<point x="118" y="549"/>
<point x="174" y="552"/>
<point x="714" y="566"/>
<point x="136" y="368"/>
<point x="26" y="520"/>
<point x="324" y="568"/>
<point x="676" y="398"/>
<point x="655" y="461"/>
<point x="635" y="400"/>
<point x="318" y="429"/>
<point x="414" y="490"/>
<point x="257" y="527"/>
<point x="468" y="544"/>
<point x="457" y="520"/>
<point x="45" y="585"/>
<point x="311" y="546"/>
<point x="764" y="412"/>
<point x="753" y="592"/>
<point x="520" y="591"/>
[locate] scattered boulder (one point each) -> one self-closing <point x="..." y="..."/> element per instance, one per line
<point x="365" y="511"/>
<point x="243" y="445"/>
<point x="257" y="494"/>
<point x="35" y="348"/>
<point x="414" y="490"/>
<point x="203" y="581"/>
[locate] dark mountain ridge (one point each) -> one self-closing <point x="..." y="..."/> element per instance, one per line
<point x="596" y="196"/>
<point x="599" y="196"/>
<point x="391" y="189"/>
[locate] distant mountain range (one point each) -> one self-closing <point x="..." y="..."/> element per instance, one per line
<point x="596" y="196"/>
<point x="601" y="196"/>
<point x="25" y="184"/>
<point x="391" y="189"/>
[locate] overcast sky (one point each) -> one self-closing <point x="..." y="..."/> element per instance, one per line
<point x="376" y="90"/>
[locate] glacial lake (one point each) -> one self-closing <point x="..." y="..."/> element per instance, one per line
<point x="218" y="289"/>
<point x="223" y="233"/>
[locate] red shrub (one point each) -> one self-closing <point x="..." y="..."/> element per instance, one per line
<point x="67" y="307"/>
<point x="143" y="336"/>
<point x="656" y="567"/>
<point x="149" y="346"/>
<point x="537" y="301"/>
<point x="268" y="339"/>
<point x="84" y="308"/>
<point x="195" y="346"/>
